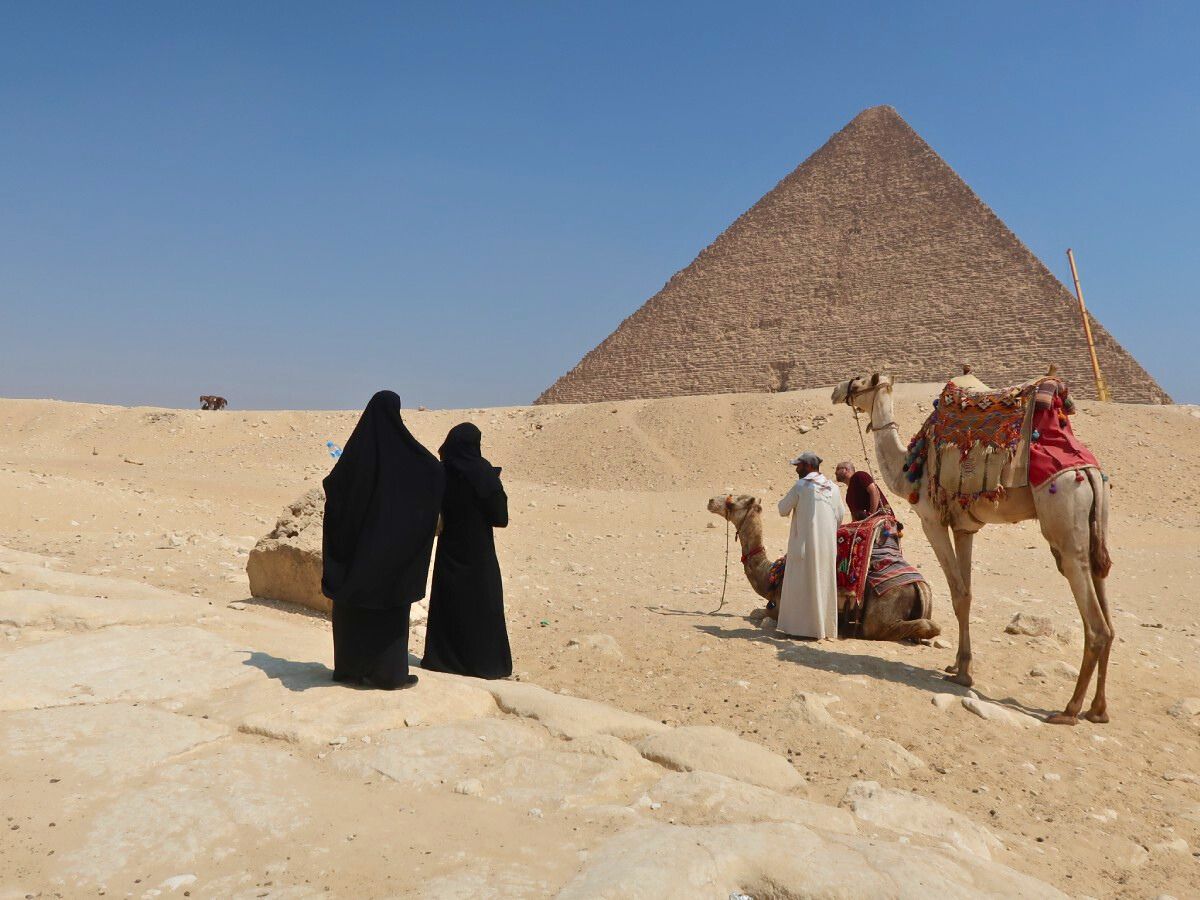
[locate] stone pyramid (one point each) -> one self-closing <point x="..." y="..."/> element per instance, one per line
<point x="873" y="255"/>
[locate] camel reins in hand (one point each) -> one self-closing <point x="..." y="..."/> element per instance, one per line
<point x="738" y="533"/>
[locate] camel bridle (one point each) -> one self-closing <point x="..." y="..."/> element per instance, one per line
<point x="852" y="396"/>
<point x="738" y="535"/>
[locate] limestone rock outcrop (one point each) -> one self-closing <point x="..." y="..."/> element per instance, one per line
<point x="286" y="564"/>
<point x="204" y="753"/>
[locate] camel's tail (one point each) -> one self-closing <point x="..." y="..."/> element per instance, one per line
<point x="1098" y="525"/>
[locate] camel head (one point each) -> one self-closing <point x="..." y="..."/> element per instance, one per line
<point x="859" y="393"/>
<point x="735" y="508"/>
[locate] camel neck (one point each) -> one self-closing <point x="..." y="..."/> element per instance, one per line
<point x="889" y="451"/>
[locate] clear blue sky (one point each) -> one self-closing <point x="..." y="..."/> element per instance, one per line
<point x="295" y="204"/>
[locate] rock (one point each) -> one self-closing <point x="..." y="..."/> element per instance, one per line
<point x="1029" y="624"/>
<point x="195" y="807"/>
<point x="604" y="644"/>
<point x="96" y="741"/>
<point x="297" y="702"/>
<point x="66" y="612"/>
<point x="664" y="862"/>
<point x="119" y="663"/>
<point x="1186" y="777"/>
<point x="707" y="748"/>
<point x="813" y="710"/>
<point x="941" y="643"/>
<point x="176" y="882"/>
<point x="286" y="563"/>
<point x="705" y="798"/>
<point x="568" y="775"/>
<point x="1132" y="856"/>
<point x="1177" y="846"/>
<point x="73" y="584"/>
<point x="1057" y="667"/>
<point x="1185" y="708"/>
<point x="994" y="712"/>
<point x="470" y="787"/>
<point x="905" y="811"/>
<point x="442" y="754"/>
<point x="570" y="717"/>
<point x="945" y="701"/>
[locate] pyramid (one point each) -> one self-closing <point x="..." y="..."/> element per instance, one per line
<point x="873" y="255"/>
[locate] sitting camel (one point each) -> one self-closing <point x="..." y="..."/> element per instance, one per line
<point x="892" y="616"/>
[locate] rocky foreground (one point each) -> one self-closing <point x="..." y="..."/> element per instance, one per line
<point x="156" y="744"/>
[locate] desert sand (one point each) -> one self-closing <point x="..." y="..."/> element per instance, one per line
<point x="163" y="733"/>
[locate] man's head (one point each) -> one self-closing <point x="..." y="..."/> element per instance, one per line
<point x="843" y="471"/>
<point x="806" y="463"/>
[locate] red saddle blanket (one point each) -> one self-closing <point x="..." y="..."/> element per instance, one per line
<point x="868" y="555"/>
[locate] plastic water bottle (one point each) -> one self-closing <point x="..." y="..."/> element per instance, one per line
<point x="334" y="450"/>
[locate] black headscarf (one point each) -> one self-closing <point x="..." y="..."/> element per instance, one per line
<point x="381" y="506"/>
<point x="460" y="454"/>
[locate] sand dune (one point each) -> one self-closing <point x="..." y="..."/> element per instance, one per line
<point x="611" y="564"/>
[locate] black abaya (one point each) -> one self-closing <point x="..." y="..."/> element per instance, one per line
<point x="466" y="633"/>
<point x="381" y="507"/>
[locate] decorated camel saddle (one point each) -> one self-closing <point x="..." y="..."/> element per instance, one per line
<point x="978" y="443"/>
<point x="869" y="556"/>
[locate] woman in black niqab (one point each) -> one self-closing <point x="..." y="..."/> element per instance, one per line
<point x="381" y="507"/>
<point x="466" y="632"/>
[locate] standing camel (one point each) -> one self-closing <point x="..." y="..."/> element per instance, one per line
<point x="896" y="615"/>
<point x="1072" y="513"/>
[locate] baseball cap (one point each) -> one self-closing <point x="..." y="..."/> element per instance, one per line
<point x="806" y="457"/>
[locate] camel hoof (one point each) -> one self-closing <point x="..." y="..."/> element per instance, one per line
<point x="758" y="614"/>
<point x="964" y="680"/>
<point x="1098" y="717"/>
<point x="1061" y="719"/>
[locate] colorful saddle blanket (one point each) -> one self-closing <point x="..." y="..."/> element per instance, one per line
<point x="775" y="573"/>
<point x="974" y="445"/>
<point x="868" y="555"/>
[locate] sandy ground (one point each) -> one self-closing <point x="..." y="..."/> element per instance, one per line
<point x="610" y="537"/>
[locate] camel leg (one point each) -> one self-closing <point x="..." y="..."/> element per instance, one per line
<point x="1063" y="517"/>
<point x="964" y="542"/>
<point x="886" y="618"/>
<point x="1098" y="712"/>
<point x="939" y="539"/>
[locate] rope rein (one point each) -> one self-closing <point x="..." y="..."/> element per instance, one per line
<point x="862" y="440"/>
<point x="738" y="532"/>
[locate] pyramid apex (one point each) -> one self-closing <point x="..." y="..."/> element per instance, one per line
<point x="881" y="113"/>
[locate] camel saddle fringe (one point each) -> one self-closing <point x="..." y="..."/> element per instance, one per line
<point x="975" y="444"/>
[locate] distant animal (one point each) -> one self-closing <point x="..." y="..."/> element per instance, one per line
<point x="207" y="401"/>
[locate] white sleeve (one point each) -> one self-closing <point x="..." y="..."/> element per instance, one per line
<point x="788" y="503"/>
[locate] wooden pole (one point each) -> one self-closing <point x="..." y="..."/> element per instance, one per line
<point x="1101" y="388"/>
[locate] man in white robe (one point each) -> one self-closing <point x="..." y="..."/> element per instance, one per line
<point x="808" y="601"/>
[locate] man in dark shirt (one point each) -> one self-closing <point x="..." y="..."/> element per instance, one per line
<point x="863" y="497"/>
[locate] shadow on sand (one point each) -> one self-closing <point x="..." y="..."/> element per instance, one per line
<point x="716" y="613"/>
<point x="822" y="656"/>
<point x="302" y="676"/>
<point x="294" y="609"/>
